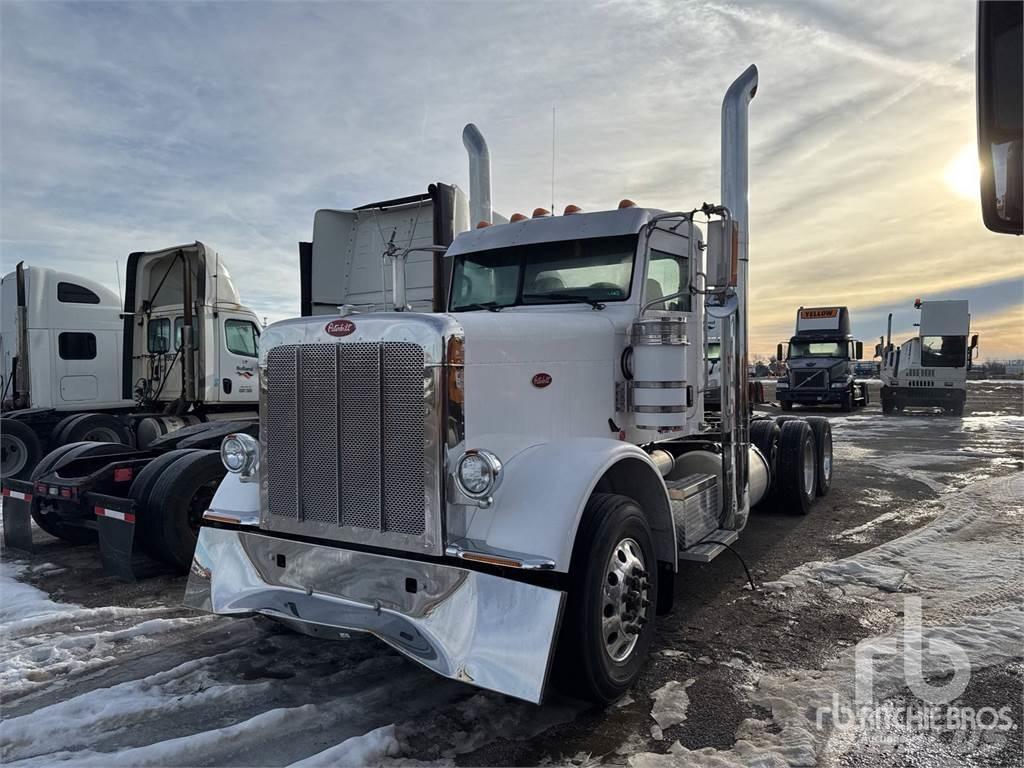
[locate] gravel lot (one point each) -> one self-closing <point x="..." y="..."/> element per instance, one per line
<point x="121" y="675"/>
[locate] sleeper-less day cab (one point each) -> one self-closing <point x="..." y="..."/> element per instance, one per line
<point x="523" y="471"/>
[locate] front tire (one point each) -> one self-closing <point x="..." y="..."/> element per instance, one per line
<point x="609" y="621"/>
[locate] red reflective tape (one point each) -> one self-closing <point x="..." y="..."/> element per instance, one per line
<point x="17" y="495"/>
<point x="123" y="516"/>
<point x="123" y="475"/>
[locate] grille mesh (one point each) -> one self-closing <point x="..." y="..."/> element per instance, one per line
<point x="328" y="435"/>
<point x="282" y="422"/>
<point x="806" y="378"/>
<point x="403" y="414"/>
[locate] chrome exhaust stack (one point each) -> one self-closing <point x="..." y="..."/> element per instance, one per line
<point x="479" y="174"/>
<point x="736" y="500"/>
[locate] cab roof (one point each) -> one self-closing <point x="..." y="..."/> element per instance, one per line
<point x="549" y="229"/>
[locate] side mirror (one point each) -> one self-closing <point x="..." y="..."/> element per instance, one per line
<point x="878" y="350"/>
<point x="858" y="349"/>
<point x="1001" y="114"/>
<point x="722" y="253"/>
<point x="778" y="353"/>
<point x="974" y="341"/>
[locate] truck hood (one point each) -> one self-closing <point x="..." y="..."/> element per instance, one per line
<point x="538" y="372"/>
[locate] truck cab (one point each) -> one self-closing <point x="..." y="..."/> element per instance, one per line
<point x="522" y="468"/>
<point x="72" y="326"/>
<point x="188" y="337"/>
<point x="821" y="357"/>
<point x="930" y="369"/>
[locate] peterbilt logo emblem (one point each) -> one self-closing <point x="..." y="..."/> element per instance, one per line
<point x="340" y="327"/>
<point x="541" y="380"/>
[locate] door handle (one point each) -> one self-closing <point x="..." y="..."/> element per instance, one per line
<point x="226" y="383"/>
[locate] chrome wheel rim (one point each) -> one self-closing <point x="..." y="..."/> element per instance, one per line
<point x="826" y="459"/>
<point x="809" y="467"/>
<point x="13" y="456"/>
<point x="624" y="599"/>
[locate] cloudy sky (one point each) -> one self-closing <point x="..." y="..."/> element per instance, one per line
<point x="134" y="126"/>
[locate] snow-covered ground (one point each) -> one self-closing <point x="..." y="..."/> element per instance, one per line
<point x="96" y="674"/>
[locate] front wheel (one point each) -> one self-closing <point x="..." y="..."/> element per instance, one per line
<point x="609" y="621"/>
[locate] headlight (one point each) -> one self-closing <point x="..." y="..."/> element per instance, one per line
<point x="840" y="384"/>
<point x="781" y="383"/>
<point x="239" y="453"/>
<point x="478" y="473"/>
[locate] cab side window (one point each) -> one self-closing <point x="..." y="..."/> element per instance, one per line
<point x="74" y="345"/>
<point x="158" y="340"/>
<point x="668" y="274"/>
<point x="241" y="337"/>
<point x="71" y="293"/>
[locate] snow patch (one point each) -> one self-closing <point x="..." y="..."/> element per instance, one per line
<point x="670" y="703"/>
<point x="369" y="749"/>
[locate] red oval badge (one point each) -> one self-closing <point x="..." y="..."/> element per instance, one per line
<point x="541" y="380"/>
<point x="340" y="327"/>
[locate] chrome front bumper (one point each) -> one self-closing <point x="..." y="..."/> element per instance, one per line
<point x="485" y="630"/>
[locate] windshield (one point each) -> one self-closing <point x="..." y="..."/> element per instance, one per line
<point x="597" y="269"/>
<point x="817" y="349"/>
<point x="943" y="351"/>
<point x="714" y="351"/>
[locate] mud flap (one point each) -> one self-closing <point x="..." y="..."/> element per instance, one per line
<point x="115" y="523"/>
<point x="17" y="496"/>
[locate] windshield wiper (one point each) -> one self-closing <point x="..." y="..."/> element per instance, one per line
<point x="490" y="306"/>
<point x="565" y="297"/>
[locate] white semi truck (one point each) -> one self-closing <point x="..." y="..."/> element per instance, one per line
<point x="929" y="370"/>
<point x="79" y="367"/>
<point x="523" y="470"/>
<point x="821" y="357"/>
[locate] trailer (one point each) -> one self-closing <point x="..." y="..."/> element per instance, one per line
<point x="929" y="370"/>
<point x="504" y="490"/>
<point x="821" y="358"/>
<point x="79" y="367"/>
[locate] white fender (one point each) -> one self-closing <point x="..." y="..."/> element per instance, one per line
<point x="237" y="499"/>
<point x="544" y="489"/>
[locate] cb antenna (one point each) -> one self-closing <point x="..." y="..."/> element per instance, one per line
<point x="117" y="272"/>
<point x="552" y="161"/>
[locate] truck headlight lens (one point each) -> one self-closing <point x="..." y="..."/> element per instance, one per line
<point x="781" y="384"/>
<point x="840" y="385"/>
<point x="478" y="473"/>
<point x="239" y="453"/>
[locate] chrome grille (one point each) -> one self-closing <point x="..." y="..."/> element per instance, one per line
<point x="345" y="438"/>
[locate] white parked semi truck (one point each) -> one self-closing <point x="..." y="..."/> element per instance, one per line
<point x="821" y="357"/>
<point x="929" y="370"/>
<point x="79" y="367"/>
<point x="524" y="470"/>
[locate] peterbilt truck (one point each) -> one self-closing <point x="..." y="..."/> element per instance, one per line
<point x="79" y="367"/>
<point x="504" y="490"/>
<point x="821" y="357"/>
<point x="929" y="370"/>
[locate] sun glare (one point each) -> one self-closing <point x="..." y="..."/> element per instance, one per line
<point x="962" y="172"/>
